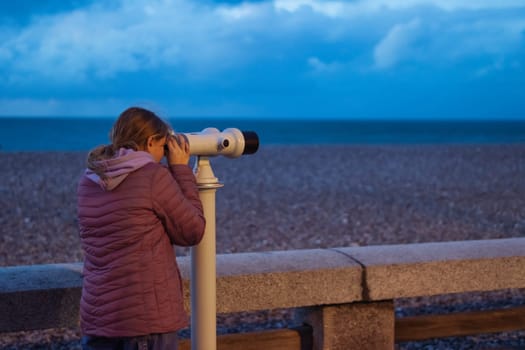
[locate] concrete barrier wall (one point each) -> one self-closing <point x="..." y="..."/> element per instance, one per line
<point x="39" y="296"/>
<point x="47" y="296"/>
<point x="410" y="270"/>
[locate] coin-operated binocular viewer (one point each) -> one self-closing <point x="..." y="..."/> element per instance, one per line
<point x="231" y="142"/>
<point x="210" y="142"/>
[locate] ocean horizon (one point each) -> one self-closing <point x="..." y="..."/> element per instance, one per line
<point x="42" y="134"/>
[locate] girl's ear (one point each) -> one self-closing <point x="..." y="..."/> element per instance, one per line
<point x="149" y="144"/>
<point x="150" y="141"/>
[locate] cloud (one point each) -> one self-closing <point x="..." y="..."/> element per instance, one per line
<point x="327" y="8"/>
<point x="321" y="67"/>
<point x="56" y="106"/>
<point x="132" y="36"/>
<point x="445" y="41"/>
<point x="366" y="7"/>
<point x="89" y="107"/>
<point x="191" y="40"/>
<point x="397" y="44"/>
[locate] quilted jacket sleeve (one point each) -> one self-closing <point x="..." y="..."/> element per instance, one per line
<point x="176" y="201"/>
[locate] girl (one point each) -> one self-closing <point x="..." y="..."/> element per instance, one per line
<point x="131" y="210"/>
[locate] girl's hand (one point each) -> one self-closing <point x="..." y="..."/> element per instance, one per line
<point x="178" y="149"/>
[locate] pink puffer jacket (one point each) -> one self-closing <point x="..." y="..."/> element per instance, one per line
<point x="132" y="284"/>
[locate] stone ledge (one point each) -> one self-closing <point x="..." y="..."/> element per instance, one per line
<point x="47" y="296"/>
<point x="424" y="269"/>
<point x="40" y="277"/>
<point x="286" y="279"/>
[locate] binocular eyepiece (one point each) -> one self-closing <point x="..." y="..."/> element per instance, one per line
<point x="231" y="142"/>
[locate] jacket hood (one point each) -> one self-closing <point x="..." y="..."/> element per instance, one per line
<point x="117" y="168"/>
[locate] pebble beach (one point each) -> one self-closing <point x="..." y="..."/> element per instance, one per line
<point x="298" y="197"/>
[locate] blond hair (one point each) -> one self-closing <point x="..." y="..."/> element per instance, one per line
<point x="131" y="130"/>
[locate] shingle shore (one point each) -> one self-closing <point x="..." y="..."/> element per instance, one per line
<point x="294" y="197"/>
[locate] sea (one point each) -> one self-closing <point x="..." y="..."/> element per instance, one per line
<point x="43" y="134"/>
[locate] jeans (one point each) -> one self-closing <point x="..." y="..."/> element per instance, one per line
<point x="163" y="341"/>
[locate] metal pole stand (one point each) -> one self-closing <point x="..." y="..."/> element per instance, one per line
<point x="203" y="265"/>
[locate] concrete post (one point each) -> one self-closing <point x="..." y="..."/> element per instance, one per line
<point x="351" y="326"/>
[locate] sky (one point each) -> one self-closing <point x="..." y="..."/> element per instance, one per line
<point x="359" y="59"/>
